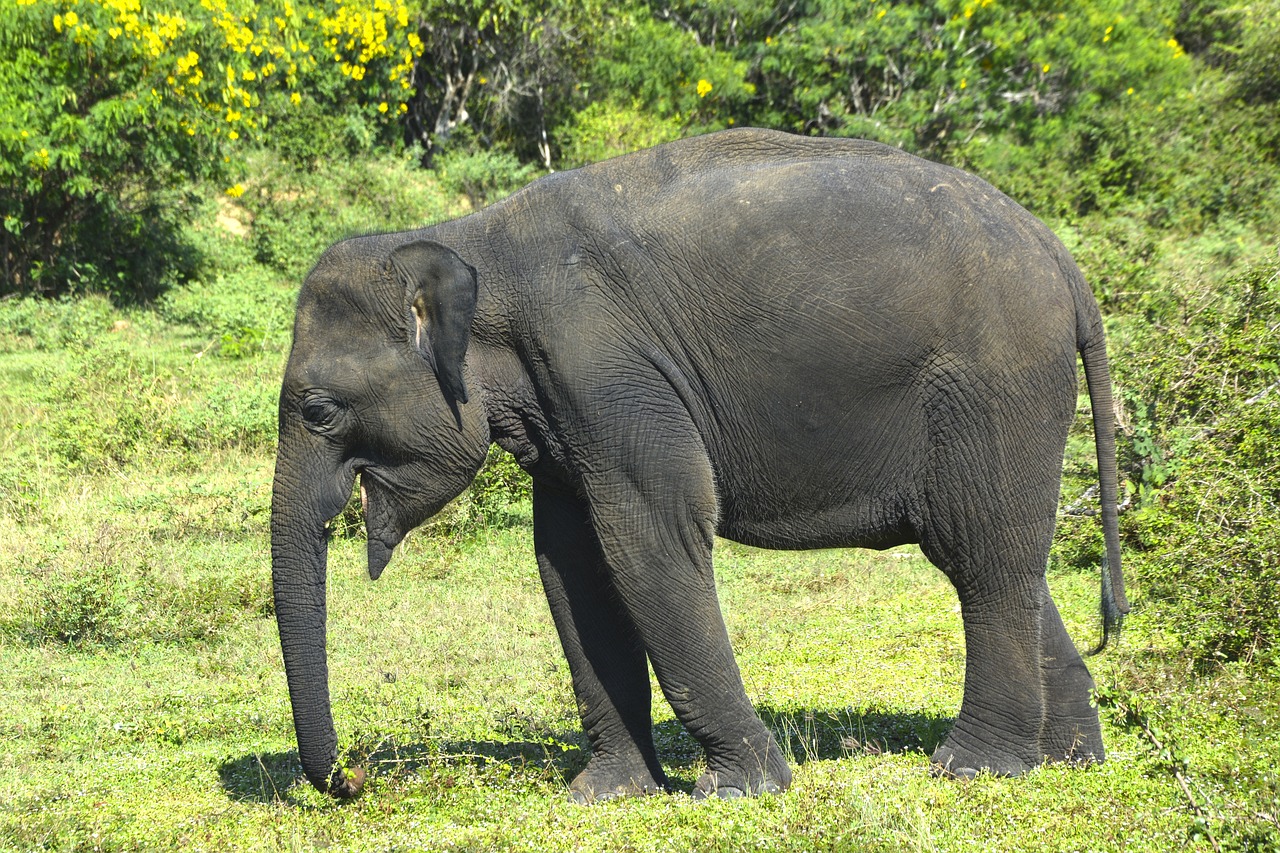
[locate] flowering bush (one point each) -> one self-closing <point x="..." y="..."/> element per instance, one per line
<point x="107" y="108"/>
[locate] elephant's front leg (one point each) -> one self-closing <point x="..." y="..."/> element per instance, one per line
<point x="605" y="654"/>
<point x="652" y="500"/>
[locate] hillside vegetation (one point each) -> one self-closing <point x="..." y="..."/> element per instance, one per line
<point x="170" y="169"/>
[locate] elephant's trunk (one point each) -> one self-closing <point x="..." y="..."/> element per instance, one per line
<point x="299" y="555"/>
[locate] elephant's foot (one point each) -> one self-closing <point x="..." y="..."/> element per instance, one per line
<point x="961" y="757"/>
<point x="1073" y="734"/>
<point x="763" y="770"/>
<point x="1073" y="742"/>
<point x="1071" y="731"/>
<point x="606" y="778"/>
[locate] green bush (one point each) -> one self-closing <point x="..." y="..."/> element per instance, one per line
<point x="234" y="412"/>
<point x="104" y="404"/>
<point x="240" y="312"/>
<point x="296" y="214"/>
<point x="606" y="129"/>
<point x="482" y="176"/>
<point x="497" y="498"/>
<point x="1206" y="533"/>
<point x="500" y="485"/>
<point x="1255" y="56"/>
<point x="108" y="588"/>
<point x="109" y="110"/>
<point x="84" y="607"/>
<point x="31" y="323"/>
<point x="93" y="160"/>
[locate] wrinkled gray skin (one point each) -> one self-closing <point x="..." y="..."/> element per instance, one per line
<point x="788" y="342"/>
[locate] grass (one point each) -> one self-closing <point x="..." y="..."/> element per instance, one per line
<point x="450" y="688"/>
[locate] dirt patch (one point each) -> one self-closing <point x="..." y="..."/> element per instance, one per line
<point x="233" y="218"/>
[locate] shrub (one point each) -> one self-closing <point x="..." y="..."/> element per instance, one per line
<point x="1207" y="534"/>
<point x="30" y="323"/>
<point x="1255" y="58"/>
<point x="242" y="311"/>
<point x="494" y="499"/>
<point x="500" y="485"/>
<point x="482" y="176"/>
<point x="104" y="404"/>
<point x="92" y="156"/>
<point x="297" y="213"/>
<point x="606" y="129"/>
<point x="107" y="588"/>
<point x="107" y="110"/>
<point x="236" y="412"/>
<point x="83" y="607"/>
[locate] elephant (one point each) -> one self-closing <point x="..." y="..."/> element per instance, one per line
<point x="789" y="342"/>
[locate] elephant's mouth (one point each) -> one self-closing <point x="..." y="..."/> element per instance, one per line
<point x="382" y="528"/>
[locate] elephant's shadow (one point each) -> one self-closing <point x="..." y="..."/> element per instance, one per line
<point x="805" y="735"/>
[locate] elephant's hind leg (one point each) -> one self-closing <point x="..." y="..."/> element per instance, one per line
<point x="991" y="504"/>
<point x="1070" y="730"/>
<point x="998" y="728"/>
<point x="605" y="654"/>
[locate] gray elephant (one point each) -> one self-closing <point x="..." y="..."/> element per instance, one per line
<point x="786" y="341"/>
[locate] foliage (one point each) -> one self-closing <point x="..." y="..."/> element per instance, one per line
<point x="296" y="213"/>
<point x="482" y="176"/>
<point x="606" y="129"/>
<point x="30" y="323"/>
<point x="110" y="109"/>
<point x="86" y="432"/>
<point x="1254" y="54"/>
<point x="1204" y="458"/>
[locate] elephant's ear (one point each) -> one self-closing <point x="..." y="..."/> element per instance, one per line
<point x="440" y="293"/>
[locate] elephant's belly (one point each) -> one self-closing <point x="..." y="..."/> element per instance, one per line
<point x="829" y="530"/>
<point x="830" y="494"/>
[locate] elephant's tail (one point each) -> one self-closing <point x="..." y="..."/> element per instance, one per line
<point x="1093" y="352"/>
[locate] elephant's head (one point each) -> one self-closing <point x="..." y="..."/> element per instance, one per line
<point x="375" y="388"/>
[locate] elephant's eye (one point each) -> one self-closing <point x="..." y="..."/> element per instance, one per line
<point x="320" y="413"/>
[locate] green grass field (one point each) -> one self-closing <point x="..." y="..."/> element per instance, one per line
<point x="145" y="705"/>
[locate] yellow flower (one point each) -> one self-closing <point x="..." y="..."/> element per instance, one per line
<point x="382" y="107"/>
<point x="704" y="88"/>
<point x="71" y="19"/>
<point x="236" y="191"/>
<point x="1045" y="68"/>
<point x="295" y="98"/>
<point x="233" y="136"/>
<point x="963" y="83"/>
<point x="1130" y="91"/>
